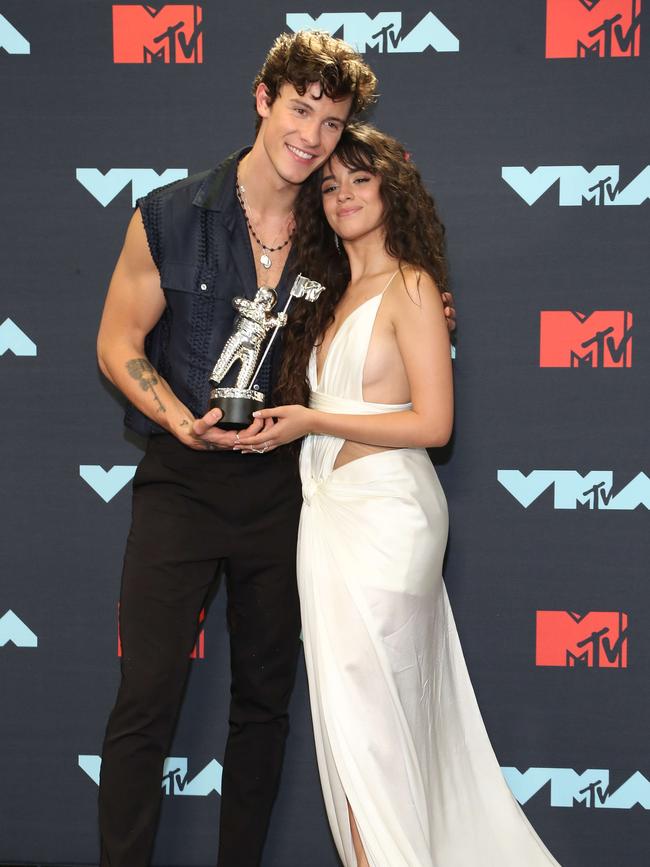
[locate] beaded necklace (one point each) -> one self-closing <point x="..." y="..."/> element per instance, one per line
<point x="265" y="259"/>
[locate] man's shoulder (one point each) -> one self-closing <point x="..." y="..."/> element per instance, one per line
<point x="197" y="187"/>
<point x="186" y="187"/>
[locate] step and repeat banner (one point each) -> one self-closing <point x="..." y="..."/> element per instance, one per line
<point x="529" y="122"/>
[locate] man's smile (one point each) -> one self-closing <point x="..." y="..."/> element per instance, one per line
<point x="302" y="156"/>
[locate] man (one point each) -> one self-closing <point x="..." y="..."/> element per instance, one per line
<point x="190" y="248"/>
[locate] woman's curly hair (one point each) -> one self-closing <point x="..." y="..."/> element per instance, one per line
<point x="414" y="236"/>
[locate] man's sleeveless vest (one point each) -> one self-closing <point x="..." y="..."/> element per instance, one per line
<point x="198" y="239"/>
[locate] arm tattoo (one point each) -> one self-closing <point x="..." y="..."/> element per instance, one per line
<point x="142" y="371"/>
<point x="185" y="423"/>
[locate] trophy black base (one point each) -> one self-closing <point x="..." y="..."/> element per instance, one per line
<point x="237" y="406"/>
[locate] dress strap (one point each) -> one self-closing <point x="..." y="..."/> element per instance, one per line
<point x="390" y="280"/>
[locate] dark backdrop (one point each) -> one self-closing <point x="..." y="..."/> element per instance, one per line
<point x="521" y="545"/>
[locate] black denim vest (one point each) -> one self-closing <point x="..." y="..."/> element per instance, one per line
<point x="199" y="241"/>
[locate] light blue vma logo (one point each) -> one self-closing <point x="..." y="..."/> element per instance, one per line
<point x="13" y="339"/>
<point x="568" y="788"/>
<point x="11" y="39"/>
<point x="572" y="490"/>
<point x="175" y="780"/>
<point x="105" y="186"/>
<point x="577" y="185"/>
<point x="383" y="33"/>
<point x="12" y="629"/>
<point x="106" y="483"/>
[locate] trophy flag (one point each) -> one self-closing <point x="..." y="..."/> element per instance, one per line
<point x="305" y="288"/>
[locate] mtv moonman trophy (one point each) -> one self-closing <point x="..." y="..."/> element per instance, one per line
<point x="251" y="327"/>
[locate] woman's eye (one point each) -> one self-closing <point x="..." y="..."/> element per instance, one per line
<point x="326" y="190"/>
<point x="361" y="180"/>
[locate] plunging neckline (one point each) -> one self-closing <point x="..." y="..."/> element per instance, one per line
<point x="319" y="376"/>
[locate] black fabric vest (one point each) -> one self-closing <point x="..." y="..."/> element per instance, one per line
<point x="199" y="241"/>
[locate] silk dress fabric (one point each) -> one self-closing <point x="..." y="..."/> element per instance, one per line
<point x="398" y="732"/>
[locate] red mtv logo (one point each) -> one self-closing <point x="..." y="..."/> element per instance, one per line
<point x="199" y="648"/>
<point x="171" y="33"/>
<point x="599" y="339"/>
<point x="597" y="639"/>
<point x="593" y="28"/>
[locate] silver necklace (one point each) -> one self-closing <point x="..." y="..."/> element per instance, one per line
<point x="265" y="260"/>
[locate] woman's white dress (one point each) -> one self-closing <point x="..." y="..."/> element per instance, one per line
<point x="398" y="731"/>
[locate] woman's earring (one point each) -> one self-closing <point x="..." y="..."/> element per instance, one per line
<point x="337" y="243"/>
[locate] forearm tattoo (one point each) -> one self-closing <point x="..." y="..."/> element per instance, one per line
<point x="142" y="371"/>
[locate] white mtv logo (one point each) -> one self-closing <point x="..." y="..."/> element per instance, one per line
<point x="383" y="32"/>
<point x="106" y="483"/>
<point x="13" y="339"/>
<point x="578" y="185"/>
<point x="106" y="186"/>
<point x="11" y="39"/>
<point x="13" y="629"/>
<point x="175" y="780"/>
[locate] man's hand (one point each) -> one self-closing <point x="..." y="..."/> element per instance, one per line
<point x="204" y="435"/>
<point x="450" y="310"/>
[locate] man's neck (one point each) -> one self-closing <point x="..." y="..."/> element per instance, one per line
<point x="267" y="193"/>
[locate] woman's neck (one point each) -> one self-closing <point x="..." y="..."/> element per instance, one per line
<point x="368" y="256"/>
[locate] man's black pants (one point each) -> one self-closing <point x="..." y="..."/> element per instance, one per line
<point x="191" y="512"/>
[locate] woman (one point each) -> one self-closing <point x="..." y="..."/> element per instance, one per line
<point x="408" y="773"/>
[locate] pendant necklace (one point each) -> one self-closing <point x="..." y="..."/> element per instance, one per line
<point x="264" y="260"/>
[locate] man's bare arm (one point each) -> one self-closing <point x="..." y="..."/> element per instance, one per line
<point x="135" y="302"/>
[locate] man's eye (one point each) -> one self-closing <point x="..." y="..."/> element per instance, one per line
<point x="300" y="111"/>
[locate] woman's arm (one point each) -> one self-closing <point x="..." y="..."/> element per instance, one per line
<point x="423" y="341"/>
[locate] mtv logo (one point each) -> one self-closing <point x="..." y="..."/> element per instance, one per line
<point x="171" y="33"/>
<point x="589" y="789"/>
<point x="597" y="639"/>
<point x="11" y="39"/>
<point x="13" y="629"/>
<point x="572" y="490"/>
<point x="106" y="483"/>
<point x="15" y="340"/>
<point x="572" y="339"/>
<point x="593" y="28"/>
<point x="578" y="185"/>
<point x="383" y="33"/>
<point x="175" y="780"/>
<point x="198" y="652"/>
<point x="105" y="187"/>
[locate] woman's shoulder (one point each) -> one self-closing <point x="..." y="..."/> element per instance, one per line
<point x="418" y="285"/>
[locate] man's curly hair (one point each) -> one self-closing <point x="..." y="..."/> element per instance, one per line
<point x="414" y="233"/>
<point x="310" y="56"/>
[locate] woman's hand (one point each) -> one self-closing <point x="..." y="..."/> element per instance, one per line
<point x="282" y="424"/>
<point x="450" y="310"/>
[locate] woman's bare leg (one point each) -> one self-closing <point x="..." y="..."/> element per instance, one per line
<point x="362" y="861"/>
